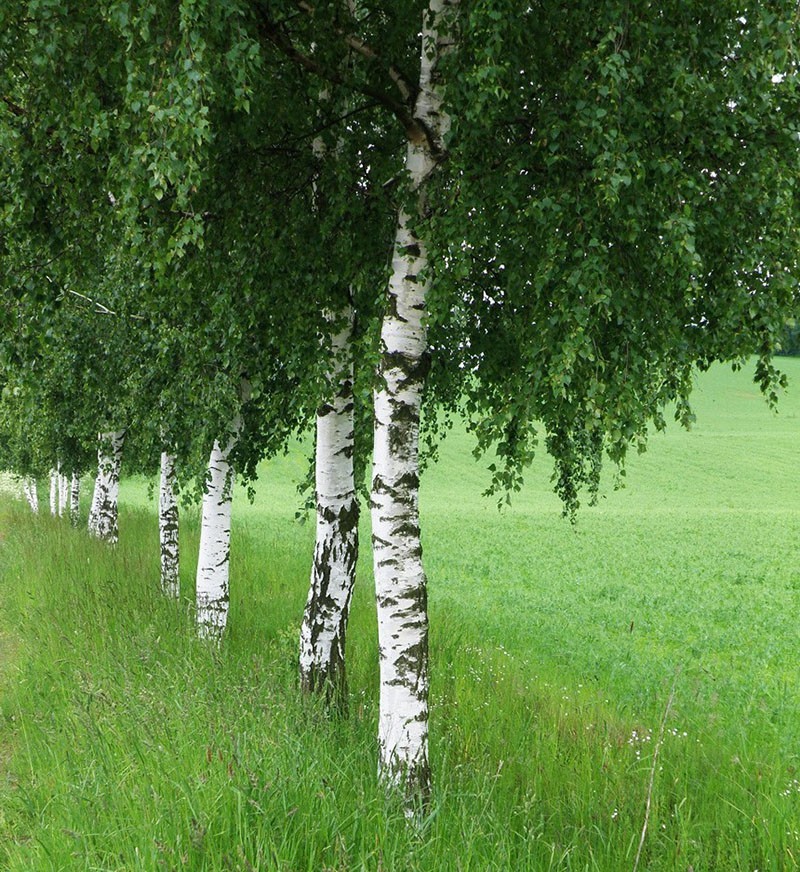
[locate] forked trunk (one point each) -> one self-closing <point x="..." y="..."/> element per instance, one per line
<point x="400" y="584"/>
<point x="31" y="493"/>
<point x="324" y="627"/>
<point x="168" y="526"/>
<point x="213" y="564"/>
<point x="103" y="517"/>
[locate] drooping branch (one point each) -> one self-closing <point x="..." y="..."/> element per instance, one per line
<point x="415" y="129"/>
<point x="408" y="91"/>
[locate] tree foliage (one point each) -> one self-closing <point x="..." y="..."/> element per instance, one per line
<point x="635" y="218"/>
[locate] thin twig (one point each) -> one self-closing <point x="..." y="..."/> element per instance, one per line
<point x="278" y="35"/>
<point x="407" y="90"/>
<point x="100" y="309"/>
<point x="653" y="766"/>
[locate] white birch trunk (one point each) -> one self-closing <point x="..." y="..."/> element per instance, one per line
<point x="213" y="563"/>
<point x="400" y="583"/>
<point x="324" y="627"/>
<point x="75" y="499"/>
<point x="31" y="493"/>
<point x="63" y="493"/>
<point x="103" y="517"/>
<point x="168" y="526"/>
<point x="53" y="492"/>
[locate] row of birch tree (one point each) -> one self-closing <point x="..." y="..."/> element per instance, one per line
<point x="225" y="223"/>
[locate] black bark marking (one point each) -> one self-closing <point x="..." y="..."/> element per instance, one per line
<point x="414" y="369"/>
<point x="328" y="676"/>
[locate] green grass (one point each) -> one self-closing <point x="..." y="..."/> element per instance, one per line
<point x="126" y="743"/>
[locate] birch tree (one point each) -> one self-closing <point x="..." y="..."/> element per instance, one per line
<point x="400" y="583"/>
<point x="324" y="627"/>
<point x="53" y="492"/>
<point x="213" y="562"/>
<point x="168" y="526"/>
<point x="30" y="491"/>
<point x="104" y="512"/>
<point x="75" y="499"/>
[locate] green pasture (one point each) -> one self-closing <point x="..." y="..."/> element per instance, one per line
<point x="557" y="651"/>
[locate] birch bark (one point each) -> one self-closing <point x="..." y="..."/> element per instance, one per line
<point x="31" y="493"/>
<point x="63" y="493"/>
<point x="213" y="564"/>
<point x="103" y="517"/>
<point x="324" y="627"/>
<point x="53" y="492"/>
<point x="400" y="583"/>
<point x="168" y="526"/>
<point x="75" y="499"/>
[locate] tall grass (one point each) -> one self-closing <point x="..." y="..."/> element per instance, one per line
<point x="127" y="743"/>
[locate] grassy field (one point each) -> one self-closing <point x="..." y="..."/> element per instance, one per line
<point x="557" y="651"/>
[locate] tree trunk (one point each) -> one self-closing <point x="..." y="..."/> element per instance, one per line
<point x="63" y="492"/>
<point x="322" y="634"/>
<point x="103" y="517"/>
<point x="168" y="526"/>
<point x="75" y="499"/>
<point x="31" y="493"/>
<point x="54" y="492"/>
<point x="212" y="593"/>
<point x="400" y="584"/>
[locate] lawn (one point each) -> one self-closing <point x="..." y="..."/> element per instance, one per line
<point x="655" y="638"/>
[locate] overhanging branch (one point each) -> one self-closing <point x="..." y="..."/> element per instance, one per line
<point x="277" y="34"/>
<point x="407" y="90"/>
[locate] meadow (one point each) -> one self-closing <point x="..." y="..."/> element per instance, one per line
<point x="640" y="664"/>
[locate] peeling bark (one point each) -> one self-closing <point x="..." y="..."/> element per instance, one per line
<point x="168" y="526"/>
<point x="324" y="627"/>
<point x="103" y="517"/>
<point x="400" y="583"/>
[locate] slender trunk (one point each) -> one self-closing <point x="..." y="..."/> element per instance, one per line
<point x="400" y="583"/>
<point x="31" y="493"/>
<point x="63" y="492"/>
<point x="75" y="499"/>
<point x="53" y="492"/>
<point x="168" y="526"/>
<point x="103" y="516"/>
<point x="322" y="634"/>
<point x="213" y="564"/>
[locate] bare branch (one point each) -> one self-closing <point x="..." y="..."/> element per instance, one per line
<point x="407" y="90"/>
<point x="100" y="308"/>
<point x="276" y="33"/>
